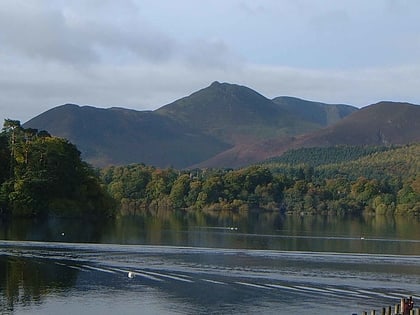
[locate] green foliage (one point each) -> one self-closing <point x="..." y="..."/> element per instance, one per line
<point x="45" y="176"/>
<point x="179" y="191"/>
<point x="4" y="158"/>
<point x="326" y="155"/>
<point x="382" y="181"/>
<point x="254" y="186"/>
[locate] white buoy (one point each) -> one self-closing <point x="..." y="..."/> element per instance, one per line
<point x="130" y="274"/>
<point x="62" y="234"/>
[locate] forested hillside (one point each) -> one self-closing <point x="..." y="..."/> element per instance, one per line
<point x="385" y="181"/>
<point x="41" y="175"/>
<point x="326" y="155"/>
<point x="382" y="182"/>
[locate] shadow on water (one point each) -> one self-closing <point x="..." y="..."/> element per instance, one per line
<point x="26" y="282"/>
<point x="53" y="230"/>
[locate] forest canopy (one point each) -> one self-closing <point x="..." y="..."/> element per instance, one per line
<point x="41" y="175"/>
<point x="381" y="181"/>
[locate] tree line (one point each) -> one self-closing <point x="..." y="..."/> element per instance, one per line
<point x="139" y="186"/>
<point x="41" y="175"/>
<point x="383" y="182"/>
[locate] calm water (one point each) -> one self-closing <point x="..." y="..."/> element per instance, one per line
<point x="185" y="263"/>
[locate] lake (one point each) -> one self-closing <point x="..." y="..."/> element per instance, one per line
<point x="209" y="263"/>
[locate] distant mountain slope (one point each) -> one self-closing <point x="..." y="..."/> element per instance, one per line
<point x="316" y="112"/>
<point x="383" y="123"/>
<point x="379" y="124"/>
<point x="122" y="136"/>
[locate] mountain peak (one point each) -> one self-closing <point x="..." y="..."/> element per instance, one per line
<point x="215" y="84"/>
<point x="227" y="110"/>
<point x="230" y="88"/>
<point x="225" y="124"/>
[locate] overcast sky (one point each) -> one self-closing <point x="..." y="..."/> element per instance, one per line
<point x="143" y="54"/>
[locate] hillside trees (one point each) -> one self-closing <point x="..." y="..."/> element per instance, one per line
<point x="327" y="155"/>
<point x="382" y="182"/>
<point x="46" y="176"/>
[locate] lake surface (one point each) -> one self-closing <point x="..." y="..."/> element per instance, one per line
<point x="195" y="263"/>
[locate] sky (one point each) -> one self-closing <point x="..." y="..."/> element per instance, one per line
<point x="143" y="54"/>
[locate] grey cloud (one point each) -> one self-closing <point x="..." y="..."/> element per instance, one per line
<point x="24" y="94"/>
<point x="250" y="8"/>
<point x="128" y="43"/>
<point x="40" y="30"/>
<point x="83" y="33"/>
<point x="210" y="54"/>
<point x="355" y="87"/>
<point x="123" y="53"/>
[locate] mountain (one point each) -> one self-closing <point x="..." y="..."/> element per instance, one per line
<point x="209" y="122"/>
<point x="316" y="112"/>
<point x="384" y="123"/>
<point x="122" y="136"/>
<point x="235" y="114"/>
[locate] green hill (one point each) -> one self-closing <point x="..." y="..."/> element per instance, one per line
<point x="398" y="162"/>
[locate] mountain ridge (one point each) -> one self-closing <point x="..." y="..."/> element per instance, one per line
<point x="222" y="125"/>
<point x="124" y="136"/>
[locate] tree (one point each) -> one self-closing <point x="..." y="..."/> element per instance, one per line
<point x="4" y="158"/>
<point x="47" y="176"/>
<point x="179" y="191"/>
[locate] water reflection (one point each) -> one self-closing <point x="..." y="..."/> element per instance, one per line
<point x="26" y="282"/>
<point x="53" y="230"/>
<point x="248" y="249"/>
<point x="254" y="230"/>
<point x="44" y="277"/>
